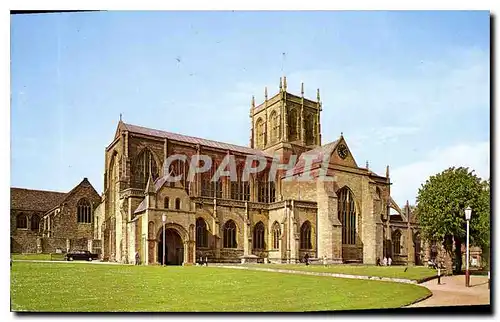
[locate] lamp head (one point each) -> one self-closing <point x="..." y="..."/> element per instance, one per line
<point x="163" y="218"/>
<point x="468" y="212"/>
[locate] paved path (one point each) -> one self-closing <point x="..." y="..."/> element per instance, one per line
<point x="452" y="291"/>
<point x="290" y="271"/>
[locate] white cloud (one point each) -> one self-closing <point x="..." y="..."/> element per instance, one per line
<point x="408" y="178"/>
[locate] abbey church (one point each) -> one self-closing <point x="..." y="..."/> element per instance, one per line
<point x="349" y="218"/>
<point x="346" y="219"/>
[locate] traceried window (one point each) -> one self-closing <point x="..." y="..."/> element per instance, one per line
<point x="276" y="235"/>
<point x="35" y="222"/>
<point x="240" y="190"/>
<point x="201" y="233"/>
<point x="210" y="188"/>
<point x="261" y="133"/>
<point x="179" y="168"/>
<point x="258" y="236"/>
<point x="230" y="234"/>
<point x="22" y="221"/>
<point x="396" y="242"/>
<point x="144" y="165"/>
<point x="84" y="211"/>
<point x="292" y="123"/>
<point x="347" y="216"/>
<point x="266" y="188"/>
<point x="305" y="235"/>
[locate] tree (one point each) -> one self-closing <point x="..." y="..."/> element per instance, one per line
<point x="440" y="206"/>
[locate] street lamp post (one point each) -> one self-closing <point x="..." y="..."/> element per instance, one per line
<point x="468" y="212"/>
<point x="163" y="220"/>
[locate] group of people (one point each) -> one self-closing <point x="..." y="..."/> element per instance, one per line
<point x="386" y="261"/>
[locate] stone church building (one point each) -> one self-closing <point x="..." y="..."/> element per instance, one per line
<point x="349" y="218"/>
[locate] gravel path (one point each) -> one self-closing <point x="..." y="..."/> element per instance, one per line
<point x="452" y="291"/>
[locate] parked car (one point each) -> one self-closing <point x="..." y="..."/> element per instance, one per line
<point x="80" y="255"/>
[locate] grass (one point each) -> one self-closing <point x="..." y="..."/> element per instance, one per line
<point x="102" y="288"/>
<point x="39" y="257"/>
<point x="412" y="272"/>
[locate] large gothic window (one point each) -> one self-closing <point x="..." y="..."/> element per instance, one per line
<point x="201" y="233"/>
<point x="179" y="168"/>
<point x="292" y="123"/>
<point x="35" y="222"/>
<point x="267" y="189"/>
<point x="22" y="221"/>
<point x="210" y="188"/>
<point x="309" y="129"/>
<point x="84" y="211"/>
<point x="240" y="190"/>
<point x="396" y="242"/>
<point x="258" y="236"/>
<point x="261" y="133"/>
<point x="347" y="216"/>
<point x="276" y="235"/>
<point x="230" y="234"/>
<point x="275" y="127"/>
<point x="144" y="165"/>
<point x="305" y="236"/>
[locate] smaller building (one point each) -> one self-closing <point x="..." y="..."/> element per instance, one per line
<point x="49" y="221"/>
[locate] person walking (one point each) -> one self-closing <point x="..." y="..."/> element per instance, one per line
<point x="137" y="258"/>
<point x="384" y="262"/>
<point x="306" y="259"/>
<point x="389" y="261"/>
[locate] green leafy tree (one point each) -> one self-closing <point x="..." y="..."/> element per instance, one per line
<point x="440" y="206"/>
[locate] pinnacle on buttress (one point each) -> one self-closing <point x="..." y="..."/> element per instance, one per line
<point x="150" y="189"/>
<point x="265" y="93"/>
<point x="387" y="171"/>
<point x="302" y="89"/>
<point x="317" y="95"/>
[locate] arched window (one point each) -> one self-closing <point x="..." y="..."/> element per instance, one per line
<point x="258" y="236"/>
<point x="292" y="121"/>
<point x="267" y="189"/>
<point x="179" y="168"/>
<point x="240" y="190"/>
<point x="35" y="222"/>
<point x="276" y="235"/>
<point x="84" y="213"/>
<point x="210" y="188"/>
<point x="22" y="221"/>
<point x="201" y="233"/>
<point x="261" y="134"/>
<point x="309" y="120"/>
<point x="305" y="236"/>
<point x="177" y="203"/>
<point x="143" y="166"/>
<point x="166" y="202"/>
<point x="347" y="216"/>
<point x="275" y="127"/>
<point x="396" y="242"/>
<point x="230" y="234"/>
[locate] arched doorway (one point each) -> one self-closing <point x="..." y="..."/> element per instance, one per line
<point x="174" y="247"/>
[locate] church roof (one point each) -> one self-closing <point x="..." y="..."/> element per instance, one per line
<point x="41" y="200"/>
<point x="36" y="200"/>
<point x="316" y="155"/>
<point x="193" y="140"/>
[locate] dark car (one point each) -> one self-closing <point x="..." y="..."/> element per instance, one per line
<point x="80" y="255"/>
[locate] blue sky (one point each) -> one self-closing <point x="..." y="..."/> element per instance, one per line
<point x="408" y="89"/>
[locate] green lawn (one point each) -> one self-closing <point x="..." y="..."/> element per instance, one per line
<point x="40" y="257"/>
<point x="98" y="287"/>
<point x="412" y="273"/>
